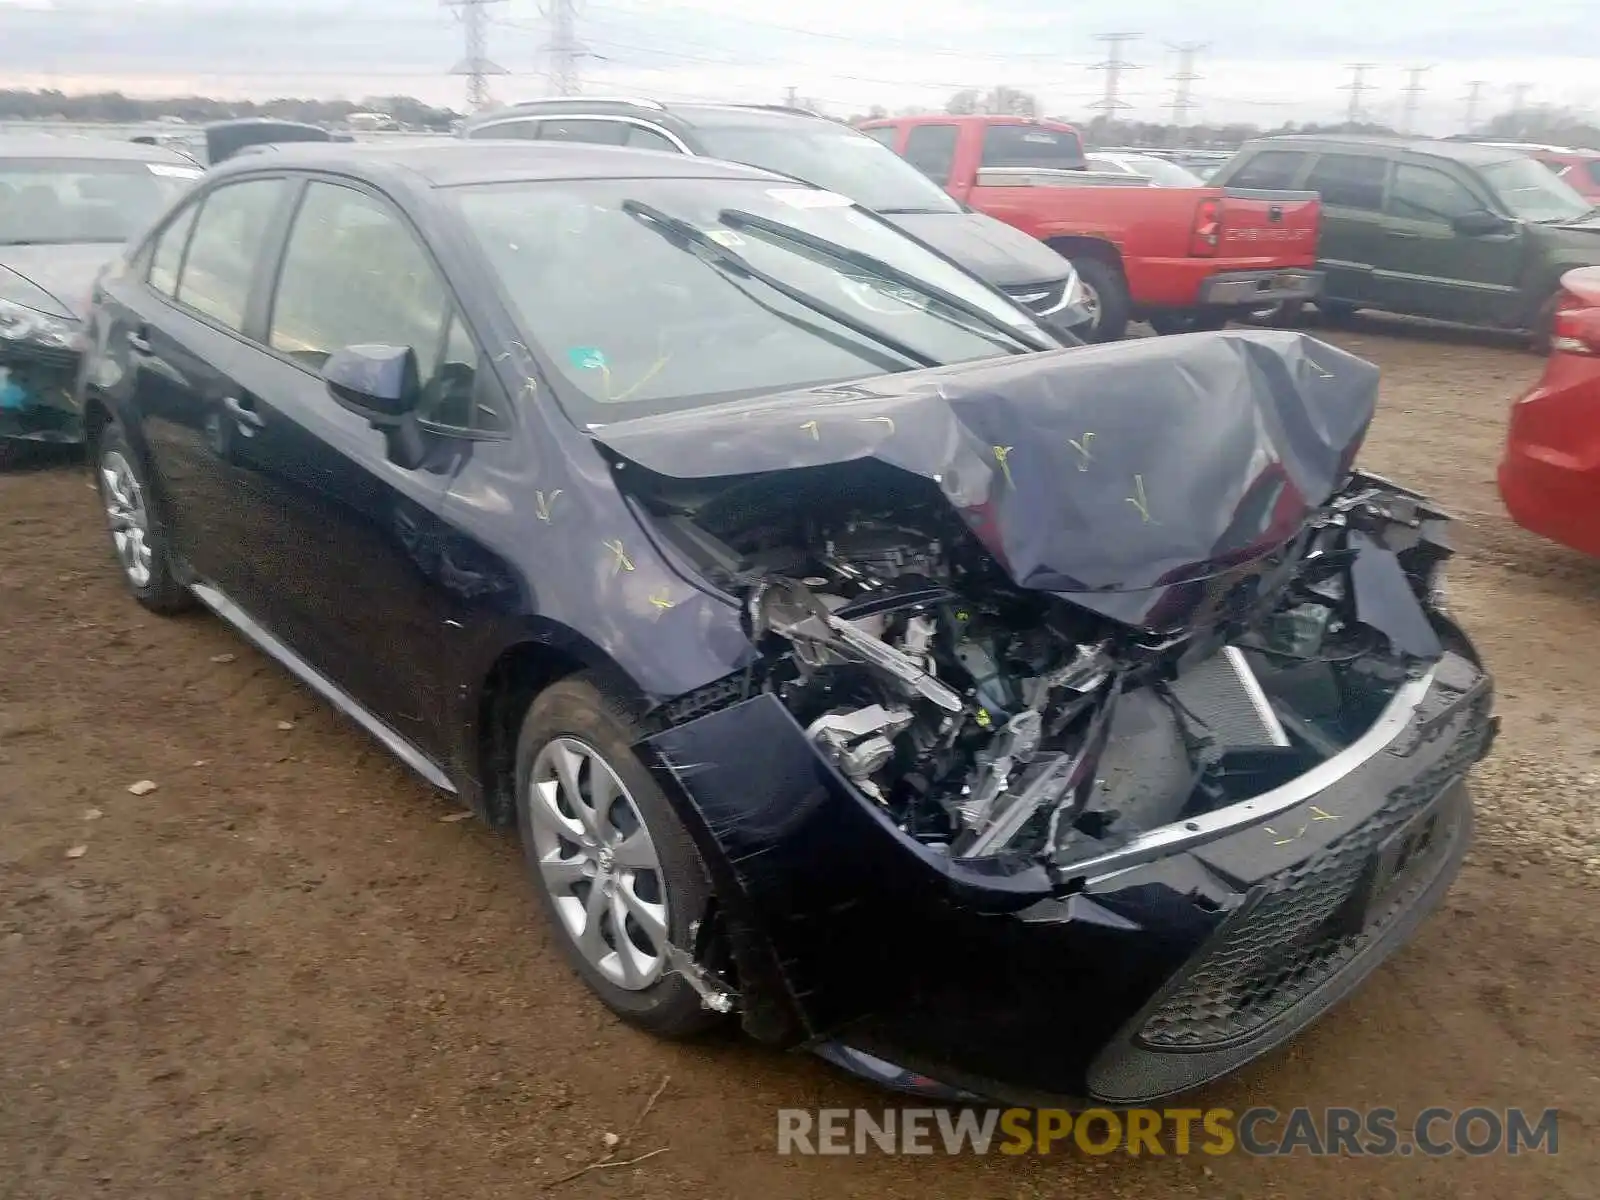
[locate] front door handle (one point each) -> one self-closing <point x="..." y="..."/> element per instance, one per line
<point x="249" y="419"/>
<point x="138" y="343"/>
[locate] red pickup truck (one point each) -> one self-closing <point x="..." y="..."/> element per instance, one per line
<point x="1181" y="258"/>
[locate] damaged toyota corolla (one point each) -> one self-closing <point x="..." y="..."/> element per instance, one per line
<point x="993" y="717"/>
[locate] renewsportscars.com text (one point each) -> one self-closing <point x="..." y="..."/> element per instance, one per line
<point x="1432" y="1132"/>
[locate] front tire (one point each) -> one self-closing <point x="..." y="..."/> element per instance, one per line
<point x="1106" y="296"/>
<point x="138" y="537"/>
<point x="615" y="870"/>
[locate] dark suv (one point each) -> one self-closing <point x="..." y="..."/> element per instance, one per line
<point x="1450" y="230"/>
<point x="821" y="151"/>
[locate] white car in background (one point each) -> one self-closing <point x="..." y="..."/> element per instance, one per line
<point x="1159" y="171"/>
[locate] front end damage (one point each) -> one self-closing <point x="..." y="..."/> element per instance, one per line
<point x="1039" y="794"/>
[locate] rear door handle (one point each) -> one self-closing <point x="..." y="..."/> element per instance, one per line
<point x="1402" y="234"/>
<point x="248" y="418"/>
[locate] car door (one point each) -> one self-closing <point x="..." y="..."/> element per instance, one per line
<point x="1350" y="237"/>
<point x="179" y="324"/>
<point x="1429" y="269"/>
<point x="348" y="538"/>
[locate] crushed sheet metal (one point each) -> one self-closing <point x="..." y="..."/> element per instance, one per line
<point x="1207" y="453"/>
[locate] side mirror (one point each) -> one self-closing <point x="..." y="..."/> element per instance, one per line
<point x="376" y="382"/>
<point x="1480" y="223"/>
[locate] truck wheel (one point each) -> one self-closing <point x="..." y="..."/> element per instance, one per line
<point x="615" y="869"/>
<point x="1197" y="321"/>
<point x="1105" y="295"/>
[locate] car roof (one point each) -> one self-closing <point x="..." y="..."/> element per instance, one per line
<point x="452" y="163"/>
<point x="688" y="114"/>
<point x="1470" y="153"/>
<point x="35" y="145"/>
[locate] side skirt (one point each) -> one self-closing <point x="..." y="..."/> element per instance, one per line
<point x="322" y="685"/>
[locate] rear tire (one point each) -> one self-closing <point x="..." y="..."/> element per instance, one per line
<point x="1109" y="300"/>
<point x="138" y="535"/>
<point x="591" y="817"/>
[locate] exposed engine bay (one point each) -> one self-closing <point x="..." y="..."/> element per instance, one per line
<point x="989" y="718"/>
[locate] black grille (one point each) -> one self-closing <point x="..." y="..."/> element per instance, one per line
<point x="1280" y="948"/>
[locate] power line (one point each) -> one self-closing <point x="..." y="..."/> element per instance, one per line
<point x="1357" y="87"/>
<point x="1474" y="92"/>
<point x="1184" y="79"/>
<point x="1114" y="65"/>
<point x="476" y="66"/>
<point x="1412" y="93"/>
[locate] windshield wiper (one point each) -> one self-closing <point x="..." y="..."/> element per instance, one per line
<point x="712" y="252"/>
<point x="889" y="274"/>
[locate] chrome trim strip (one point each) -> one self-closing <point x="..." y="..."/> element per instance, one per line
<point x="330" y="691"/>
<point x="478" y="131"/>
<point x="1169" y="839"/>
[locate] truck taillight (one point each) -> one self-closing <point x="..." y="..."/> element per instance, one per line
<point x="1576" y="328"/>
<point x="1207" y="231"/>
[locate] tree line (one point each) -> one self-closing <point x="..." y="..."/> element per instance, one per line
<point x="117" y="108"/>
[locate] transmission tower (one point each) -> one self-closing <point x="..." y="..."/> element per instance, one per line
<point x="1474" y="94"/>
<point x="1183" y="81"/>
<point x="1519" y="96"/>
<point x="474" y="17"/>
<point x="564" y="48"/>
<point x="1113" y="66"/>
<point x="1412" y="93"/>
<point x="1357" y="87"/>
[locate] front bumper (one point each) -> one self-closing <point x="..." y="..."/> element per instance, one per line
<point x="36" y="394"/>
<point x="1050" y="303"/>
<point x="1249" y="289"/>
<point x="1001" y="981"/>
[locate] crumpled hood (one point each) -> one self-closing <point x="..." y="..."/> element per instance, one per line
<point x="53" y="279"/>
<point x="1137" y="476"/>
<point x="992" y="250"/>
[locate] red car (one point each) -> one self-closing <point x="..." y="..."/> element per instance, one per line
<point x="1550" y="476"/>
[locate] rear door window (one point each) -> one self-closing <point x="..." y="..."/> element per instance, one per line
<point x="522" y="131"/>
<point x="602" y="133"/>
<point x="1349" y="180"/>
<point x="1030" y="146"/>
<point x="1269" y="170"/>
<point x="931" y="149"/>
<point x="224" y="251"/>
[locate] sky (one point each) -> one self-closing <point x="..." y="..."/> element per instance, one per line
<point x="1261" y="63"/>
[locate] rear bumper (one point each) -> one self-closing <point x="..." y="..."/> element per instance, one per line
<point x="1247" y="289"/>
<point x="1550" y="474"/>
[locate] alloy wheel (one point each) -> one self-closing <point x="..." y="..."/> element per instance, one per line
<point x="129" y="517"/>
<point x="598" y="862"/>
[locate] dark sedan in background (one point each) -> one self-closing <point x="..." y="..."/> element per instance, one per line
<point x="66" y="207"/>
<point x="850" y="656"/>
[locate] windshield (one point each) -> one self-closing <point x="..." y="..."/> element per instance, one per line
<point x="636" y="322"/>
<point x="49" y="201"/>
<point x="1164" y="173"/>
<point x="1531" y="193"/>
<point x="838" y="159"/>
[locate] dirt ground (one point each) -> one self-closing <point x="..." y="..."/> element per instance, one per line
<point x="285" y="972"/>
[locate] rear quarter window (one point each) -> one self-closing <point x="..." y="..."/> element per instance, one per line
<point x="1269" y="170"/>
